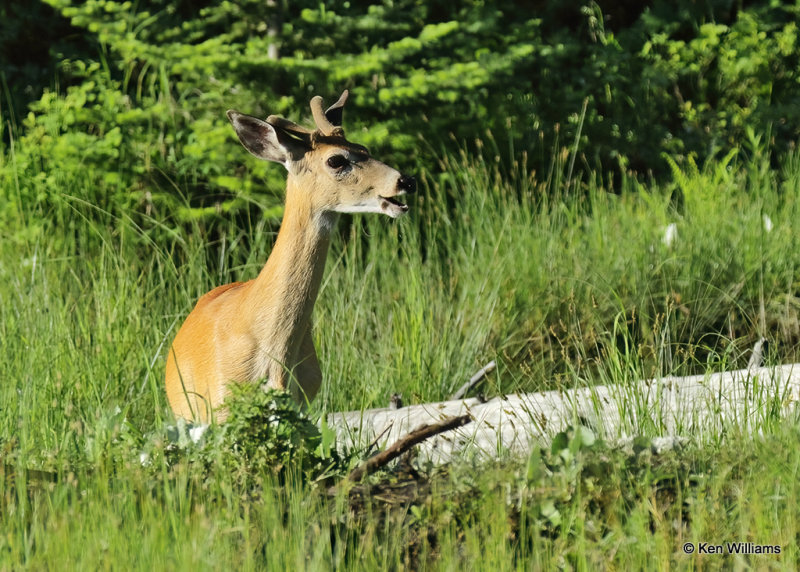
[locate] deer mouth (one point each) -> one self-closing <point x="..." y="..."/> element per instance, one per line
<point x="393" y="207"/>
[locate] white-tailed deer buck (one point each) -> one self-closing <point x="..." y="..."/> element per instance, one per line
<point x="247" y="332"/>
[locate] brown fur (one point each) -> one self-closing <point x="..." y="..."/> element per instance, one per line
<point x="260" y="330"/>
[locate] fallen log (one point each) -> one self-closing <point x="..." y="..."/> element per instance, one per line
<point x="694" y="406"/>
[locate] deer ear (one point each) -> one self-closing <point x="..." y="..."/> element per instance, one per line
<point x="261" y="138"/>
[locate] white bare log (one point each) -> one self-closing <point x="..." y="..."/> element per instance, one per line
<point x="695" y="406"/>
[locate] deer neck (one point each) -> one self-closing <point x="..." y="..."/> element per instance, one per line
<point x="283" y="296"/>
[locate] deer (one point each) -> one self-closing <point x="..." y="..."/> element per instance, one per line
<point x="260" y="331"/>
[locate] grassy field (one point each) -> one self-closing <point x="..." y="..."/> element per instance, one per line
<point x="561" y="282"/>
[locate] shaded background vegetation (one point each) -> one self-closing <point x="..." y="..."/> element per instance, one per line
<point x="133" y="93"/>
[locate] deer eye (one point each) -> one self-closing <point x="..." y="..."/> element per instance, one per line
<point x="337" y="162"/>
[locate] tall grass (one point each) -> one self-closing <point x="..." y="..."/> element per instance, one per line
<point x="562" y="282"/>
<point x="558" y="287"/>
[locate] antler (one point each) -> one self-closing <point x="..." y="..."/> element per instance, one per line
<point x="290" y="126"/>
<point x="329" y="123"/>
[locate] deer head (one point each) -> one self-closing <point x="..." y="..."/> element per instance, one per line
<point x="334" y="174"/>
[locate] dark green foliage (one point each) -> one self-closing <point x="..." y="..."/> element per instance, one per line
<point x="34" y="39"/>
<point x="142" y="112"/>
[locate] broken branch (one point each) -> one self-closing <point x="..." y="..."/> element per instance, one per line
<point x="415" y="437"/>
<point x="474" y="380"/>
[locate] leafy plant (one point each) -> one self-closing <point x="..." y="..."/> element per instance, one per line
<point x="266" y="433"/>
<point x="269" y="432"/>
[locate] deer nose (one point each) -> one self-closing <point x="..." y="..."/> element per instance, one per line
<point x="407" y="183"/>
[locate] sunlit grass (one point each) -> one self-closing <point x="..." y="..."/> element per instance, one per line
<point x="562" y="286"/>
